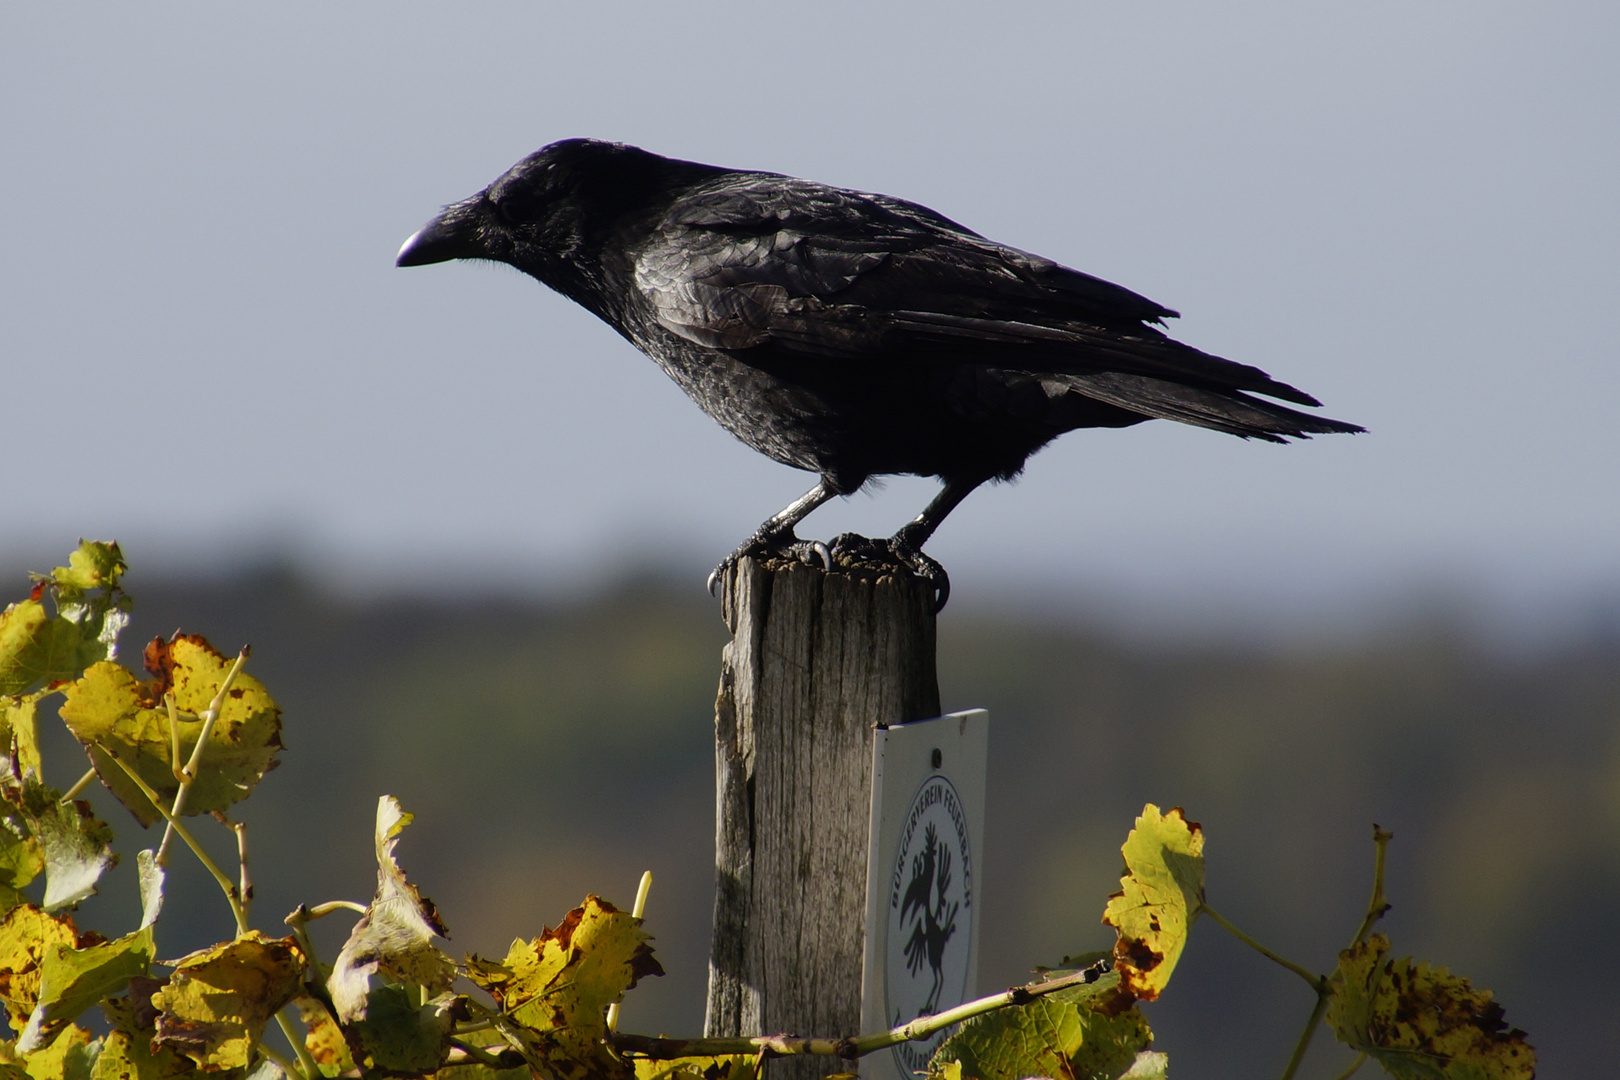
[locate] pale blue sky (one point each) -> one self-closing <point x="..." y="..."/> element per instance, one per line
<point x="1408" y="209"/>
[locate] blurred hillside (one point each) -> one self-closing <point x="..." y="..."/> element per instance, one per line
<point x="551" y="750"/>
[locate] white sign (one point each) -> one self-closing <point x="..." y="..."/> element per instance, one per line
<point x="924" y="865"/>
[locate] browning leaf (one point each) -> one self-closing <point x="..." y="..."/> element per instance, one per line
<point x="1160" y="895"/>
<point x="72" y="980"/>
<point x="26" y="934"/>
<point x="217" y="1001"/>
<point x="110" y="711"/>
<point x="1421" y="1022"/>
<point x="393" y="942"/>
<point x="324" y="1039"/>
<point x="559" y="985"/>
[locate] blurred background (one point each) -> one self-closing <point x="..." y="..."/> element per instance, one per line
<point x="465" y="526"/>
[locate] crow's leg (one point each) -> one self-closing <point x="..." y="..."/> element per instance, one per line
<point x="906" y="545"/>
<point x="776" y="536"/>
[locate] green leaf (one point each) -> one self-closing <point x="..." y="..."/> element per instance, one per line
<point x="70" y="1056"/>
<point x="1421" y="1022"/>
<point x="1149" y="1065"/>
<point x="27" y="933"/>
<point x="111" y="712"/>
<point x="393" y="941"/>
<point x="218" y="1000"/>
<point x="35" y="648"/>
<point x="559" y="986"/>
<point x="72" y="980"/>
<point x="20" y="860"/>
<point x="725" y="1067"/>
<point x="1160" y="895"/>
<point x="1073" y="1033"/>
<point x="95" y="565"/>
<point x="399" y="1038"/>
<point x="74" y="845"/>
<point x="38" y="649"/>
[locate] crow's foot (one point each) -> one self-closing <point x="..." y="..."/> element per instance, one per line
<point x="780" y="544"/>
<point x="854" y="548"/>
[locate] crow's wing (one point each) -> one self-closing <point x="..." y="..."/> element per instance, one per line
<point x="756" y="259"/>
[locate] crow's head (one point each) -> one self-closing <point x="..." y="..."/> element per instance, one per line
<point x="548" y="214"/>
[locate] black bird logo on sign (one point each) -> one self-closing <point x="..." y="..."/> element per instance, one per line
<point x="849" y="334"/>
<point x="935" y="923"/>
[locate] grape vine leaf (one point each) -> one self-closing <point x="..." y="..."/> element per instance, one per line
<point x="1421" y="1022"/>
<point x="40" y="649"/>
<point x="724" y="1067"/>
<point x="20" y="733"/>
<point x="396" y="1037"/>
<point x="324" y="1039"/>
<point x="70" y="1056"/>
<point x="558" y="987"/>
<point x="1076" y="1033"/>
<point x="1160" y="896"/>
<point x="111" y="712"/>
<point x="74" y="845"/>
<point x="72" y="980"/>
<point x="27" y="933"/>
<point x="20" y="860"/>
<point x="127" y="1052"/>
<point x="393" y="941"/>
<point x="216" y="1003"/>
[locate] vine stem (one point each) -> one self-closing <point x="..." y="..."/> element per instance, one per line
<point x="281" y="1060"/>
<point x="78" y="788"/>
<point x="1313" y="979"/>
<point x="635" y="913"/>
<point x="920" y="1028"/>
<point x="1361" y="1059"/>
<point x="187" y="774"/>
<point x="306" y="1062"/>
<point x="225" y="884"/>
<point x="1376" y="907"/>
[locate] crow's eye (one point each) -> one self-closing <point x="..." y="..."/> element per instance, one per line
<point x="508" y="210"/>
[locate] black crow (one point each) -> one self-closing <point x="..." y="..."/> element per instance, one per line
<point x="848" y="334"/>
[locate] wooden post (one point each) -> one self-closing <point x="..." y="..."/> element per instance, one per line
<point x="817" y="660"/>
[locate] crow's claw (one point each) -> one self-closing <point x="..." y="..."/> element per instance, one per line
<point x="924" y="567"/>
<point x="781" y="544"/>
<point x="854" y="547"/>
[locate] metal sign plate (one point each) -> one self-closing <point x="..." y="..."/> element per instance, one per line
<point x="924" y="864"/>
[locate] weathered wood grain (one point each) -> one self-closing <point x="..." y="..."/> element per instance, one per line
<point x="817" y="659"/>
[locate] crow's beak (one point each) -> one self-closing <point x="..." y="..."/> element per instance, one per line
<point x="451" y="235"/>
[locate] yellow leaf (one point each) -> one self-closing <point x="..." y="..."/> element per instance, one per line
<point x="559" y="986"/>
<point x="108" y="707"/>
<point x="26" y="934"/>
<point x="1421" y="1022"/>
<point x="324" y="1039"/>
<point x="127" y="1052"/>
<point x="68" y="1057"/>
<point x="218" y="1000"/>
<point x="21" y="715"/>
<point x="1160" y="895"/>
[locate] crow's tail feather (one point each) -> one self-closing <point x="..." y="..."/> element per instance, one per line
<point x="1231" y="411"/>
